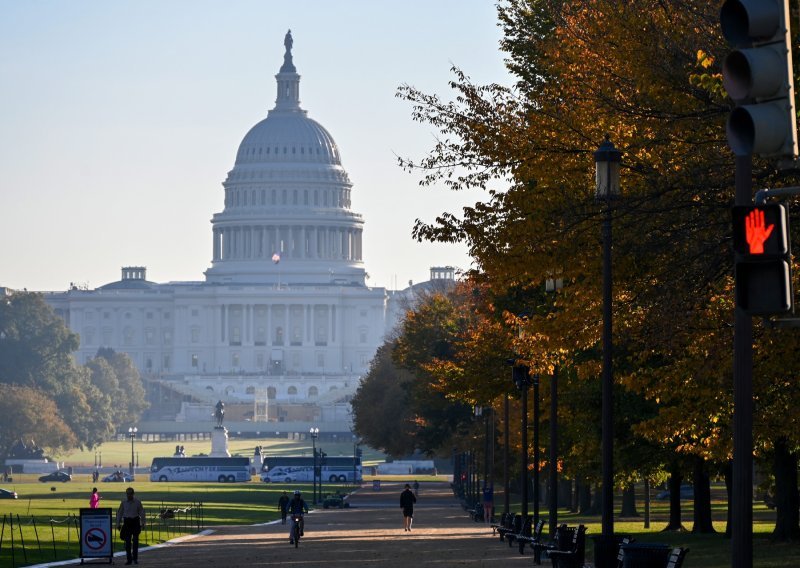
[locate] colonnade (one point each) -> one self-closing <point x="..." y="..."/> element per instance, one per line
<point x="290" y="241"/>
<point x="278" y="324"/>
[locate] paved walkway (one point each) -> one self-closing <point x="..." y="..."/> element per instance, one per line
<point x="369" y="533"/>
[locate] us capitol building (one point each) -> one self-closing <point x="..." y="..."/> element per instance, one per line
<point x="284" y="325"/>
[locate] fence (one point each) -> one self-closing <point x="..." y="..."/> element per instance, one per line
<point x="26" y="540"/>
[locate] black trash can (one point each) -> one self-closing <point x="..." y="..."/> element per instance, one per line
<point x="645" y="555"/>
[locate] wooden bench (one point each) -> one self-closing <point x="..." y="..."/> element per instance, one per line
<point x="571" y="553"/>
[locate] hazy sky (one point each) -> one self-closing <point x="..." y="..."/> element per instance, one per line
<point x="119" y="120"/>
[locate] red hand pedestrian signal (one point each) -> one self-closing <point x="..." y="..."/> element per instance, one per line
<point x="756" y="231"/>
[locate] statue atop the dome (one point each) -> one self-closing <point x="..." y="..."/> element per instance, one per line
<point x="287" y="41"/>
<point x="288" y="66"/>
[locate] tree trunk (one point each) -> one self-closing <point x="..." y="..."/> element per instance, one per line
<point x="573" y="502"/>
<point x="787" y="522"/>
<point x="702" y="498"/>
<point x="674" y="486"/>
<point x="585" y="499"/>
<point x="629" y="502"/>
<point x="728" y="473"/>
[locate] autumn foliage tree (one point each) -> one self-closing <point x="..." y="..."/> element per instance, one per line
<point x="648" y="73"/>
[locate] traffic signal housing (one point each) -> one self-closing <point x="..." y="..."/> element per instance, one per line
<point x="758" y="76"/>
<point x="763" y="259"/>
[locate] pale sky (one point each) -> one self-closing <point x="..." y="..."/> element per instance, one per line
<point x="119" y="120"/>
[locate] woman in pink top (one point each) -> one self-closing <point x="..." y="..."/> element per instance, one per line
<point x="94" y="500"/>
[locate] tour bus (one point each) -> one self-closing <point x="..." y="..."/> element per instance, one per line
<point x="200" y="469"/>
<point x="286" y="469"/>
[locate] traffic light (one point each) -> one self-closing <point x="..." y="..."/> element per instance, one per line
<point x="763" y="260"/>
<point x="758" y="76"/>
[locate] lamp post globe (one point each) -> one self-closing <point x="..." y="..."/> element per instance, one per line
<point x="314" y="433"/>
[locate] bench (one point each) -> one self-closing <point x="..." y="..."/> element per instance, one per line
<point x="621" y="553"/>
<point x="513" y="526"/>
<point x="506" y="522"/>
<point x="531" y="539"/>
<point x="524" y="530"/>
<point x="559" y="541"/>
<point x="571" y="553"/>
<point x="676" y="557"/>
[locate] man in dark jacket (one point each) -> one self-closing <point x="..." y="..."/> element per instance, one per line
<point x="407" y="501"/>
<point x="283" y="504"/>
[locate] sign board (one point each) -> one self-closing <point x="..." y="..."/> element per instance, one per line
<point x="96" y="535"/>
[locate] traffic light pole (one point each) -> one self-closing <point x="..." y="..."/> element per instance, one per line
<point x="742" y="495"/>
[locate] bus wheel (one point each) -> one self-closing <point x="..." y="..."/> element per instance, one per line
<point x="221" y="479"/>
<point x="163" y="478"/>
<point x="342" y="478"/>
<point x="231" y="479"/>
<point x="332" y="478"/>
<point x="288" y="480"/>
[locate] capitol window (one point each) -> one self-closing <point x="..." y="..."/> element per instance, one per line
<point x="292" y="391"/>
<point x="194" y="360"/>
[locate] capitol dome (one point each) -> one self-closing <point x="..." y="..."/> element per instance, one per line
<point x="287" y="199"/>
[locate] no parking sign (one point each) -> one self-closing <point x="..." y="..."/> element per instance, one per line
<point x="96" y="534"/>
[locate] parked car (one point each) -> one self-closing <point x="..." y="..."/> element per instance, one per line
<point x="687" y="492"/>
<point x="56" y="476"/>
<point x="119" y="476"/>
<point x="6" y="494"/>
<point x="334" y="502"/>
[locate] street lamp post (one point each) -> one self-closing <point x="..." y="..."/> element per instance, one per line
<point x="536" y="457"/>
<point x="607" y="160"/>
<point x="553" y="285"/>
<point x="132" y="433"/>
<point x="505" y="455"/>
<point x="523" y="382"/>
<point x="314" y="432"/>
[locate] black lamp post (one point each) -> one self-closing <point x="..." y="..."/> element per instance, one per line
<point x="536" y="457"/>
<point x="132" y="433"/>
<point x="553" y="285"/>
<point x="314" y="433"/>
<point x="607" y="160"/>
<point x="505" y="455"/>
<point x="522" y="380"/>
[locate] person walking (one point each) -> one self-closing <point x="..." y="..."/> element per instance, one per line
<point x="407" y="501"/>
<point x="488" y="502"/>
<point x="94" y="500"/>
<point x="416" y="488"/>
<point x="283" y="503"/>
<point x="130" y="522"/>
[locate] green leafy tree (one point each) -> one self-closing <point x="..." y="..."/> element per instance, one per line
<point x="29" y="414"/>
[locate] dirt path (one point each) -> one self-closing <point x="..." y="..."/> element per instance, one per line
<point x="370" y="533"/>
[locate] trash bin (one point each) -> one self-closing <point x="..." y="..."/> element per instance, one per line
<point x="376" y="484"/>
<point x="645" y="555"/>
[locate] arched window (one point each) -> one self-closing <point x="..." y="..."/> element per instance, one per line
<point x="250" y="390"/>
<point x="271" y="393"/>
<point x="292" y="391"/>
<point x="313" y="392"/>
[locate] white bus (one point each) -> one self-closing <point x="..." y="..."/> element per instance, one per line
<point x="280" y="469"/>
<point x="224" y="470"/>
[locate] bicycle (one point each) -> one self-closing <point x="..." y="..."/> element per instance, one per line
<point x="297" y="521"/>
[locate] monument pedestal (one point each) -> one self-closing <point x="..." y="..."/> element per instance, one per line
<point x="219" y="443"/>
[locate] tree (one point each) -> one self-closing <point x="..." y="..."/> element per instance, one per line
<point x="124" y="388"/>
<point x="29" y="414"/>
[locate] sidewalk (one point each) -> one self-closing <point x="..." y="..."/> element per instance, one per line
<point x="369" y="533"/>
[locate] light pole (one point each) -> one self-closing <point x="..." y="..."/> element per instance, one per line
<point x="132" y="433"/>
<point x="505" y="455"/>
<point x="314" y="433"/>
<point x="553" y="285"/>
<point x="523" y="382"/>
<point x="607" y="160"/>
<point x="536" y="457"/>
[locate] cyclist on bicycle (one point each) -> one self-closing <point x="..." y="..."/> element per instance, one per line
<point x="296" y="508"/>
